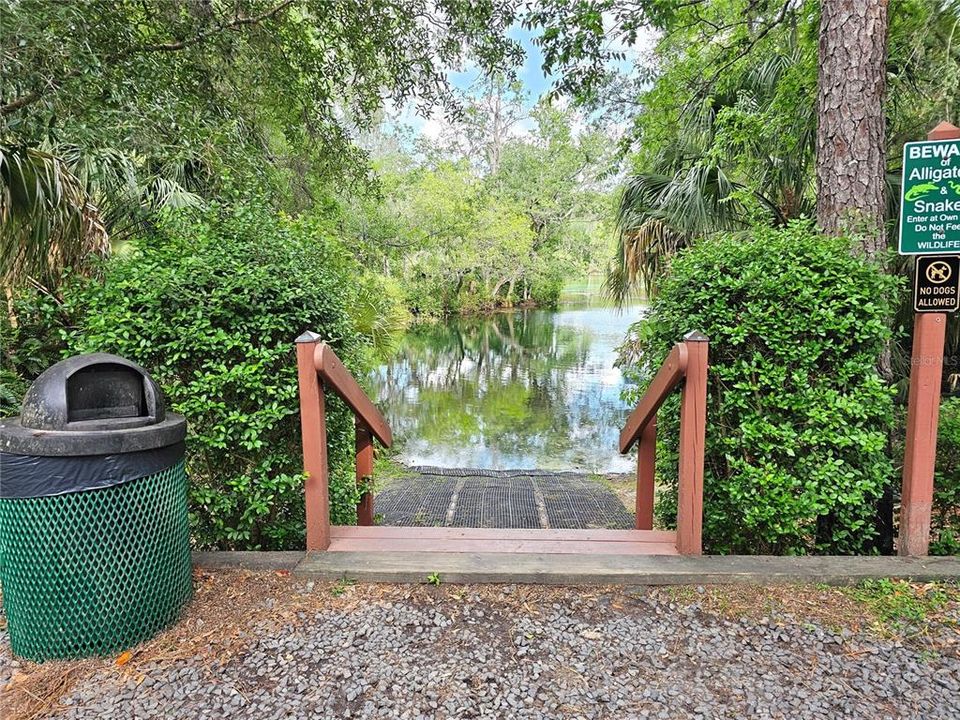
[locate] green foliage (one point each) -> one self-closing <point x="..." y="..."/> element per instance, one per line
<point x="380" y="313"/>
<point x="31" y="340"/>
<point x="210" y="304"/>
<point x="897" y="605"/>
<point x="140" y="105"/>
<point x="341" y="585"/>
<point x="45" y="222"/>
<point x="724" y="115"/>
<point x="945" y="523"/>
<point x="797" y="415"/>
<point x="465" y="235"/>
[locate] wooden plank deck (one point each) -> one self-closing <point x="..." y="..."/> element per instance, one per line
<point x="381" y="539"/>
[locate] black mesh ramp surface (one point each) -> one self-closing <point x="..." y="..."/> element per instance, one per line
<point x="416" y="501"/>
<point x="497" y="502"/>
<point x="458" y="497"/>
<point x="573" y="501"/>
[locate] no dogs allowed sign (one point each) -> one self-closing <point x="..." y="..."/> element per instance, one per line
<point x="936" y="287"/>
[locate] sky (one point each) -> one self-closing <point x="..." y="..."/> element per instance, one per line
<point x="535" y="84"/>
<point x="531" y="74"/>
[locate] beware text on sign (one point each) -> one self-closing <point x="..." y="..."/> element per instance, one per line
<point x="930" y="198"/>
<point x="936" y="287"/>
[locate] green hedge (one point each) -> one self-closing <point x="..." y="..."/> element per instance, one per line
<point x="798" y="418"/>
<point x="210" y="304"/>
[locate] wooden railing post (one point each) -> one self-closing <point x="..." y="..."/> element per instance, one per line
<point x="314" y="434"/>
<point x="920" y="454"/>
<point x="693" y="430"/>
<point x="364" y="473"/>
<point x="646" y="467"/>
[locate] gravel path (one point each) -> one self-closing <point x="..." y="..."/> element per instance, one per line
<point x="516" y="652"/>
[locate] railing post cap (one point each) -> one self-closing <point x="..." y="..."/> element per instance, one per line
<point x="695" y="336"/>
<point x="944" y="131"/>
<point x="308" y="337"/>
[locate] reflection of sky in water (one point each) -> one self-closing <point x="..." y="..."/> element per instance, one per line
<point x="526" y="389"/>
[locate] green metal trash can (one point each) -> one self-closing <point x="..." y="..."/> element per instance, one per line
<point x="94" y="538"/>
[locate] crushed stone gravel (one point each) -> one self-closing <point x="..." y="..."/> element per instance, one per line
<point x="575" y="654"/>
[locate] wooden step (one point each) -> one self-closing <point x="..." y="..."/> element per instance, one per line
<point x="379" y="539"/>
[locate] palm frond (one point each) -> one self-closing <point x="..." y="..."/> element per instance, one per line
<point x="659" y="215"/>
<point x="691" y="191"/>
<point x="47" y="219"/>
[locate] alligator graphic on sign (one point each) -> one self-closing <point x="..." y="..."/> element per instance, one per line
<point x="929" y="222"/>
<point x="919" y="191"/>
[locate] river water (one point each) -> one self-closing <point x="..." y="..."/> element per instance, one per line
<point x="512" y="390"/>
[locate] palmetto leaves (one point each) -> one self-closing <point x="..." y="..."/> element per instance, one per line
<point x="699" y="184"/>
<point x="60" y="207"/>
<point x="47" y="221"/>
<point x="660" y="215"/>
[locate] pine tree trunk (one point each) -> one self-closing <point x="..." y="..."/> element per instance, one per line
<point x="851" y="143"/>
<point x="851" y="151"/>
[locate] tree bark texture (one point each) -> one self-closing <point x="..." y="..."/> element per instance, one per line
<point x="851" y="142"/>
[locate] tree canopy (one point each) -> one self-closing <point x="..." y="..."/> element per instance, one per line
<point x="723" y="124"/>
<point x="109" y="107"/>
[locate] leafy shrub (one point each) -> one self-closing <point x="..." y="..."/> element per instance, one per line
<point x="546" y="291"/>
<point x="31" y="340"/>
<point x="211" y="304"/>
<point x="797" y="415"/>
<point x="945" y="523"/>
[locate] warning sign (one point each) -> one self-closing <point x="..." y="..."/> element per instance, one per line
<point x="930" y="198"/>
<point x="936" y="286"/>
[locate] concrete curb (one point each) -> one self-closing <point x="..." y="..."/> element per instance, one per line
<point x="248" y="560"/>
<point x="568" y="569"/>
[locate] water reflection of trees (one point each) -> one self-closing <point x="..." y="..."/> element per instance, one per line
<point x="513" y="382"/>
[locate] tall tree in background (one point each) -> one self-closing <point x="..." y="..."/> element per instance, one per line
<point x="112" y="110"/>
<point x="851" y="139"/>
<point x="831" y="106"/>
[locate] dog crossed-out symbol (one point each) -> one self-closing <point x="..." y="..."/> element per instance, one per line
<point x="938" y="272"/>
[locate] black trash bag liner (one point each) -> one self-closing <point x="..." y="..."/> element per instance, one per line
<point x="28" y="476"/>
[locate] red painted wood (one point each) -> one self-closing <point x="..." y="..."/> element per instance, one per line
<point x="693" y="425"/>
<point x="499" y="545"/>
<point x="923" y="408"/>
<point x="923" y="411"/>
<point x="339" y="379"/>
<point x="438" y="535"/>
<point x="646" y="467"/>
<point x="667" y="378"/>
<point x="944" y="131"/>
<point x="364" y="444"/>
<point x="313" y="432"/>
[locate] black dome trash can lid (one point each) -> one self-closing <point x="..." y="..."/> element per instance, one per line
<point x="88" y="421"/>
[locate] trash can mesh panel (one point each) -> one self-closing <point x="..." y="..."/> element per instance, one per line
<point x="93" y="572"/>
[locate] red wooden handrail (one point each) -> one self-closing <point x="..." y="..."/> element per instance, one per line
<point x="667" y="378"/>
<point x="686" y="365"/>
<point x="318" y="367"/>
<point x="339" y="379"/>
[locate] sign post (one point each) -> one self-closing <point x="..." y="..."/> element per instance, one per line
<point x="929" y="225"/>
